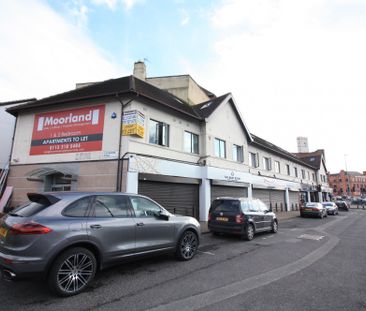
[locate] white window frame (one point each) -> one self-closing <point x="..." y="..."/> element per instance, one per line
<point x="277" y="167"/>
<point x="191" y="147"/>
<point x="267" y="163"/>
<point x="238" y="154"/>
<point x="222" y="148"/>
<point x="161" y="134"/>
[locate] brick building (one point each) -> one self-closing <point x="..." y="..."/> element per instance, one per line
<point x="348" y="183"/>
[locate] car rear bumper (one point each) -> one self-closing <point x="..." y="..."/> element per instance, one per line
<point x="233" y="229"/>
<point x="21" y="266"/>
<point x="308" y="213"/>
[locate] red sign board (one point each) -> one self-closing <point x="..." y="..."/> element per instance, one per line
<point x="75" y="130"/>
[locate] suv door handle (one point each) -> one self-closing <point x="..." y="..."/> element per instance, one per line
<point x="140" y="224"/>
<point x="96" y="226"/>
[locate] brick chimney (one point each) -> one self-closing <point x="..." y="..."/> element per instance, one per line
<point x="139" y="70"/>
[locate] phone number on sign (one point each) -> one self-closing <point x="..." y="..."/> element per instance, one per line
<point x="64" y="147"/>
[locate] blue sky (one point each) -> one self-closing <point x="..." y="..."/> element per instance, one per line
<point x="161" y="31"/>
<point x="294" y="67"/>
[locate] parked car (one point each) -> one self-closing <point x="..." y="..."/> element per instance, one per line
<point x="342" y="205"/>
<point x="313" y="209"/>
<point x="331" y="208"/>
<point x="242" y="216"/>
<point x="68" y="237"/>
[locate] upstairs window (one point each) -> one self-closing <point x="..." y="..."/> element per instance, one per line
<point x="277" y="167"/>
<point x="253" y="159"/>
<point x="288" y="169"/>
<point x="303" y="174"/>
<point x="159" y="133"/>
<point x="238" y="153"/>
<point x="190" y="142"/>
<point x="267" y="164"/>
<point x="220" y="148"/>
<point x="295" y="170"/>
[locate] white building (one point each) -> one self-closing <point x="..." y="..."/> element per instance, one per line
<point x="164" y="137"/>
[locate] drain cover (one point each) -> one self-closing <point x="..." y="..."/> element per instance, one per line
<point x="311" y="237"/>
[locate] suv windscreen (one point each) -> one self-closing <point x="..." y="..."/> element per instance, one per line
<point x="225" y="206"/>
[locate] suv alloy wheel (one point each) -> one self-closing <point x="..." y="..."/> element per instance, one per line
<point x="72" y="271"/>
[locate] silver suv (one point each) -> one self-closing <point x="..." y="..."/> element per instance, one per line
<point x="68" y="236"/>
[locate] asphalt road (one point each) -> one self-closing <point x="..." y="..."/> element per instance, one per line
<point x="310" y="264"/>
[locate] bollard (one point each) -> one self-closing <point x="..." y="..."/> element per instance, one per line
<point x="281" y="207"/>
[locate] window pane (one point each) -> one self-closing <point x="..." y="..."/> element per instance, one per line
<point x="195" y="144"/>
<point x="235" y="152"/>
<point x="78" y="208"/>
<point x="153" y="132"/>
<point x="144" y="207"/>
<point x="217" y="147"/>
<point x="187" y="142"/>
<point x="111" y="206"/>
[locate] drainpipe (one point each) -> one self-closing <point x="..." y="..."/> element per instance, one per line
<point x="119" y="173"/>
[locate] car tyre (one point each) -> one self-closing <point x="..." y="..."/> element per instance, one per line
<point x="249" y="232"/>
<point x="274" y="226"/>
<point x="187" y="246"/>
<point x="72" y="272"/>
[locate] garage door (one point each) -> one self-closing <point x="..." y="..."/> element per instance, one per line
<point x="271" y="197"/>
<point x="294" y="199"/>
<point x="177" y="198"/>
<point x="226" y="191"/>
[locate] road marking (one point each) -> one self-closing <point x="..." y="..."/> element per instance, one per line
<point x="238" y="288"/>
<point x="311" y="237"/>
<point x="208" y="253"/>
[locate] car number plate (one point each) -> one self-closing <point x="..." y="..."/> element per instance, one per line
<point x="308" y="209"/>
<point x="3" y="232"/>
<point x="222" y="218"/>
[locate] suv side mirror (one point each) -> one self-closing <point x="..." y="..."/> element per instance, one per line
<point x="163" y="215"/>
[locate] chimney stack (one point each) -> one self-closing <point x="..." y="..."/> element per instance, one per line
<point x="302" y="145"/>
<point x="139" y="70"/>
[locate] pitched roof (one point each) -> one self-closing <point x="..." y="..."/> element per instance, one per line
<point x="112" y="88"/>
<point x="260" y="142"/>
<point x="312" y="158"/>
<point x="206" y="108"/>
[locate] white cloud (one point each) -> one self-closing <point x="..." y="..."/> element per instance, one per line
<point x="296" y="68"/>
<point x="128" y="4"/>
<point x="184" y="17"/>
<point x="110" y="3"/>
<point x="42" y="54"/>
<point x="80" y="12"/>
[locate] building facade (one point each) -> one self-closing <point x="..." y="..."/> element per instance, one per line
<point x="165" y="137"/>
<point x="348" y="183"/>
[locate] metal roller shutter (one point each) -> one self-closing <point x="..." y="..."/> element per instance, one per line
<point x="271" y="197"/>
<point x="294" y="199"/>
<point x="226" y="191"/>
<point x="177" y="198"/>
<point x="278" y="199"/>
<point x="261" y="194"/>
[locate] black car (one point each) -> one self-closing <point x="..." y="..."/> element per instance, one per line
<point x="342" y="205"/>
<point x="242" y="216"/>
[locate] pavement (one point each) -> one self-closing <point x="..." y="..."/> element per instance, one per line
<point x="280" y="216"/>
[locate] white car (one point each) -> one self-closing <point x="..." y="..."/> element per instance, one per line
<point x="331" y="207"/>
